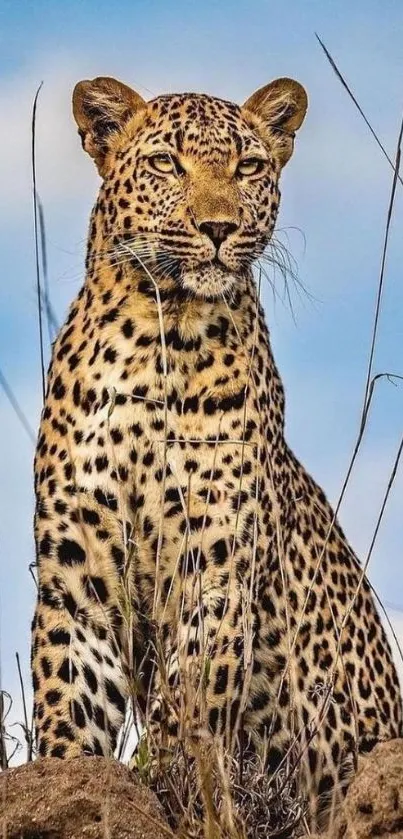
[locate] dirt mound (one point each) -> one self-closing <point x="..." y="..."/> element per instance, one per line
<point x="374" y="802"/>
<point x="85" y="798"/>
<point x="95" y="798"/>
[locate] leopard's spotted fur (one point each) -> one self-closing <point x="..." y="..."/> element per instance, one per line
<point x="173" y="523"/>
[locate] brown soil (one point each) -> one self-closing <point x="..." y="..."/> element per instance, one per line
<point x="95" y="798"/>
<point x="374" y="802"/>
<point x="85" y="798"/>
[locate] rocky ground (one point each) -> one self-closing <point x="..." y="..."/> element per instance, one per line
<point x="374" y="802"/>
<point x="86" y="798"/>
<point x="95" y="798"/>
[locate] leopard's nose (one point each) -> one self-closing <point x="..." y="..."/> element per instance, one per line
<point x="217" y="231"/>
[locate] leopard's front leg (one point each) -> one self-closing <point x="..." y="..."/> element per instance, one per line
<point x="81" y="628"/>
<point x="204" y="648"/>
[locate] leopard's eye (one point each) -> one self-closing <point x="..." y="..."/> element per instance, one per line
<point x="250" y="166"/>
<point x="164" y="163"/>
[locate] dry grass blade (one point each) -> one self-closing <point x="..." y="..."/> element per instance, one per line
<point x="371" y="547"/>
<point x="3" y="735"/>
<point x="369" y="387"/>
<point x="356" y="103"/>
<point x="157" y="824"/>
<point x="382" y="271"/>
<point x="53" y="326"/>
<point x="26" y="727"/>
<point x="36" y="236"/>
<point x="207" y="799"/>
<point x="6" y="739"/>
<point x="388" y="620"/>
<point x="165" y="444"/>
<point x="16" y="407"/>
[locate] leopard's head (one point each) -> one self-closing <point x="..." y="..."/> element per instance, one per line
<point x="190" y="182"/>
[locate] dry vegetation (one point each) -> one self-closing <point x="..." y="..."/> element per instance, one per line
<point x="201" y="790"/>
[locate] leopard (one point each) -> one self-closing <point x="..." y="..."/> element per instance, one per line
<point x="184" y="554"/>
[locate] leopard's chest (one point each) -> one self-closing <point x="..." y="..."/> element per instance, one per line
<point x="198" y="434"/>
<point x="178" y="432"/>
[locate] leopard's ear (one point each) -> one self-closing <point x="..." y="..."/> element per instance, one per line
<point x="101" y="107"/>
<point x="281" y="105"/>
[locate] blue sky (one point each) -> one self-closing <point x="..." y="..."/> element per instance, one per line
<point x="335" y="196"/>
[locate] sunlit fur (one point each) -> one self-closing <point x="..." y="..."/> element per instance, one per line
<point x="207" y="140"/>
<point x="186" y="559"/>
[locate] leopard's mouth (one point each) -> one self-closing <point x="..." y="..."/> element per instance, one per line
<point x="209" y="279"/>
<point x="216" y="262"/>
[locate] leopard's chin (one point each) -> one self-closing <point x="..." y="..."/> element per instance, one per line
<point x="210" y="280"/>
